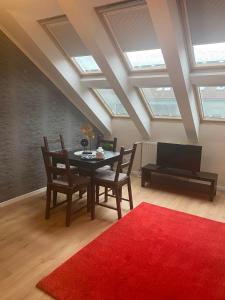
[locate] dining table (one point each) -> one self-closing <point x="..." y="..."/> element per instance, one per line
<point x="88" y="167"/>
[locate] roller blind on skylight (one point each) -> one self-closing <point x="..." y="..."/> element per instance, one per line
<point x="132" y="28"/>
<point x="206" y="21"/>
<point x="68" y="38"/>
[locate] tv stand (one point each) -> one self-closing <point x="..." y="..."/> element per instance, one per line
<point x="197" y="176"/>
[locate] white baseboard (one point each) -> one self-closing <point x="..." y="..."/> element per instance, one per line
<point x="220" y="188"/>
<point x="23" y="197"/>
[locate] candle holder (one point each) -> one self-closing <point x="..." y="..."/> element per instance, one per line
<point x="88" y="132"/>
<point x="84" y="144"/>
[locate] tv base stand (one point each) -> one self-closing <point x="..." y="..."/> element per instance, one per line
<point x="196" y="176"/>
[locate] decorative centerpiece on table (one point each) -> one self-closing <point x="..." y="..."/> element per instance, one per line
<point x="87" y="131"/>
<point x="100" y="153"/>
<point x="84" y="144"/>
<point x="107" y="147"/>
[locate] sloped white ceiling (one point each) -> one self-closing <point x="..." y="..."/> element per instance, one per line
<point x="91" y="37"/>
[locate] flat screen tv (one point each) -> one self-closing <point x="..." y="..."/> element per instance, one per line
<point x="178" y="156"/>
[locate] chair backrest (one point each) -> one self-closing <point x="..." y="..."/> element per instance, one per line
<point x="51" y="167"/>
<point x="58" y="142"/>
<point x="109" y="145"/>
<point x="125" y="164"/>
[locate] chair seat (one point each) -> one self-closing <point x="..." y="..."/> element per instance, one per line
<point x="74" y="169"/>
<point x="103" y="169"/>
<point x="109" y="176"/>
<point x="78" y="181"/>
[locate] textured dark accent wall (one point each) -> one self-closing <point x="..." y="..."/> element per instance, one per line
<point x="30" y="107"/>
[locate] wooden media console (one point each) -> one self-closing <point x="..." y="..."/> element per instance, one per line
<point x="197" y="176"/>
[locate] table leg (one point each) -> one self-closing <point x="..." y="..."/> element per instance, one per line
<point x="92" y="195"/>
<point x="150" y="179"/>
<point x="212" y="190"/>
<point x="215" y="187"/>
<point x="142" y="180"/>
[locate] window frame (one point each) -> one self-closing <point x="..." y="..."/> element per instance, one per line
<point x="189" y="44"/>
<point x="106" y="24"/>
<point x="148" y="106"/>
<point x="200" y="105"/>
<point x="48" y="21"/>
<point x="83" y="73"/>
<point x="105" y="105"/>
<point x="141" y="70"/>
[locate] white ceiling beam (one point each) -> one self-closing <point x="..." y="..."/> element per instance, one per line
<point x="167" y="25"/>
<point x="95" y="82"/>
<point x="55" y="66"/>
<point x="139" y="80"/>
<point x="84" y="19"/>
<point x="208" y="78"/>
<point x="148" y="80"/>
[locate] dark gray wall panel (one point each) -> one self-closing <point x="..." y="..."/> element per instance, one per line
<point x="30" y="107"/>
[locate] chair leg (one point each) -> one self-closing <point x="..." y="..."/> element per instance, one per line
<point x="92" y="202"/>
<point x="88" y="199"/>
<point x="118" y="199"/>
<point x="120" y="191"/>
<point x="106" y="194"/>
<point x="97" y="194"/>
<point x="48" y="203"/>
<point x="54" y="198"/>
<point x="81" y="192"/>
<point x="68" y="209"/>
<point x="130" y="193"/>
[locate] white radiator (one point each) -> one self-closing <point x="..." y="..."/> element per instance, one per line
<point x="149" y="152"/>
<point x="145" y="154"/>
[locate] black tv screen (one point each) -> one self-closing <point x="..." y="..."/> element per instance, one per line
<point x="178" y="156"/>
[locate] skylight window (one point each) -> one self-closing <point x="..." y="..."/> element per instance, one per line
<point x="68" y="40"/>
<point x="205" y="25"/>
<point x="146" y="59"/>
<point x="210" y="53"/>
<point x="213" y="102"/>
<point x="111" y="101"/>
<point x="130" y="26"/>
<point x="87" y="64"/>
<point x="162" y="102"/>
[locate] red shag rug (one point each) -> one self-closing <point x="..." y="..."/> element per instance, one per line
<point x="152" y="253"/>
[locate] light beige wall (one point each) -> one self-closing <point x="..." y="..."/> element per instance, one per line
<point x="211" y="137"/>
<point x="127" y="134"/>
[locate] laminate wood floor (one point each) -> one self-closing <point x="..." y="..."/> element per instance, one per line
<point x="31" y="247"/>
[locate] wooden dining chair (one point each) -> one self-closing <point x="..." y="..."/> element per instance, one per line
<point x="58" y="144"/>
<point x="115" y="180"/>
<point x="108" y="145"/>
<point x="62" y="180"/>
